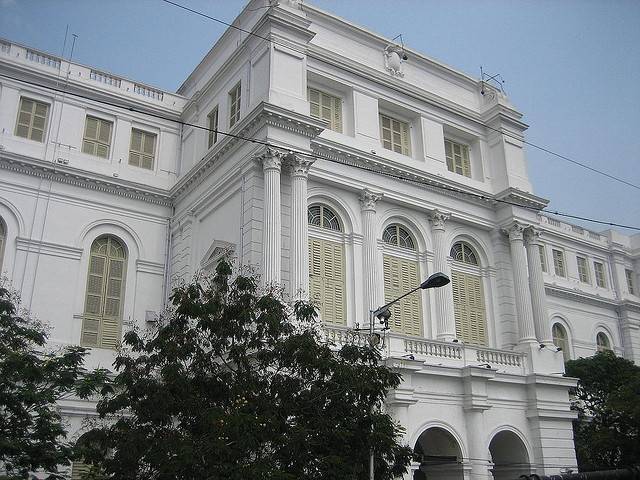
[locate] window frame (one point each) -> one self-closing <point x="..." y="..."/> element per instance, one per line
<point x="3" y="242"/>
<point x="145" y="134"/>
<point x="601" y="278"/>
<point x="32" y="116"/>
<point x="404" y="149"/>
<point x="563" y="272"/>
<point x="212" y="126"/>
<point x="566" y="354"/>
<point x="335" y="107"/>
<point x="631" y="284"/>
<point x="235" y="104"/>
<point x="96" y="141"/>
<point x="451" y="164"/>
<point x="582" y="264"/>
<point x="607" y="345"/>
<point x="542" y="253"/>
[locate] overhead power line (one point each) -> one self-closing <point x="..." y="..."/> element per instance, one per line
<point x="508" y="134"/>
<point x="319" y="157"/>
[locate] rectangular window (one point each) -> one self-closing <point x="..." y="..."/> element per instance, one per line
<point x="395" y="135"/>
<point x="631" y="284"/>
<point x="601" y="279"/>
<point x="212" y="125"/>
<point x="558" y="263"/>
<point x="326" y="107"/>
<point x="97" y="137"/>
<point x="457" y="158"/>
<point x="234" y="105"/>
<point x="32" y="119"/>
<point x="142" y="149"/>
<point x="543" y="258"/>
<point x="583" y="270"/>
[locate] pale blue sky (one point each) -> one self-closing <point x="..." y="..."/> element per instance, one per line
<point x="572" y="67"/>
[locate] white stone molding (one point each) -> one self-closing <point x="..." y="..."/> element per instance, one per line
<point x="272" y="228"/>
<point x="299" y="170"/>
<point x="368" y="201"/>
<point x="536" y="286"/>
<point x="526" y="328"/>
<point x="445" y="320"/>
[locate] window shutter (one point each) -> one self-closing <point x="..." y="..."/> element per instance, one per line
<point x="406" y="140"/>
<point x="32" y="119"/>
<point x="79" y="470"/>
<point x="401" y="275"/>
<point x="104" y="130"/>
<point x="327" y="279"/>
<point x="91" y="128"/>
<point x="337" y="114"/>
<point x="469" y="308"/>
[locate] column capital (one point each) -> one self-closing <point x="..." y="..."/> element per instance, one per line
<point x="438" y="219"/>
<point x="368" y="199"/>
<point x="297" y="165"/>
<point x="515" y="231"/>
<point x="271" y="159"/>
<point x="532" y="235"/>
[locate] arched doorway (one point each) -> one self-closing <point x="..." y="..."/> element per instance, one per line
<point x="509" y="456"/>
<point x="439" y="456"/>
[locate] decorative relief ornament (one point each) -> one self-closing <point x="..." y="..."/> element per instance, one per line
<point x="393" y="59"/>
<point x="368" y="199"/>
<point x="298" y="166"/>
<point x="271" y="159"/>
<point x="438" y="219"/>
<point x="515" y="231"/>
<point x="532" y="235"/>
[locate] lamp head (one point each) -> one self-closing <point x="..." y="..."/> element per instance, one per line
<point x="383" y="315"/>
<point x="436" y="280"/>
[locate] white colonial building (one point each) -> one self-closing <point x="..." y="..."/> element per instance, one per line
<point x="380" y="170"/>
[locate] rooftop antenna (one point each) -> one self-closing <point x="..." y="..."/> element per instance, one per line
<point x="495" y="80"/>
<point x="404" y="55"/>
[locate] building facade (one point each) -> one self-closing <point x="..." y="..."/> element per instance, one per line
<point x="346" y="169"/>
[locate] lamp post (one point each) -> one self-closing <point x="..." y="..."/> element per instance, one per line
<point x="436" y="280"/>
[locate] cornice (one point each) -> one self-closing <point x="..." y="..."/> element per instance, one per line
<point x="582" y="297"/>
<point x="265" y="114"/>
<point x="522" y="198"/>
<point x="356" y="158"/>
<point x="80" y="178"/>
<point x="48" y="248"/>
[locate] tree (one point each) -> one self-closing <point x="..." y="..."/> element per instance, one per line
<point x="607" y="431"/>
<point x="233" y="386"/>
<point x="32" y="380"/>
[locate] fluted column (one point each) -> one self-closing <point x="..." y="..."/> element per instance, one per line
<point x="536" y="286"/>
<point x="371" y="278"/>
<point x="445" y="320"/>
<point x="272" y="228"/>
<point x="526" y="329"/>
<point x="299" y="169"/>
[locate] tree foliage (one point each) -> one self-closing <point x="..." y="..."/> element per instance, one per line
<point x="32" y="380"/>
<point x="607" y="431"/>
<point x="234" y="386"/>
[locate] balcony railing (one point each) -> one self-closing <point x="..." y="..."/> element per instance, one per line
<point x="433" y="351"/>
<point x="105" y="78"/>
<point x="148" y="92"/>
<point x="43" y="59"/>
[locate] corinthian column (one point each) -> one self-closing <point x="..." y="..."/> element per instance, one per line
<point x="272" y="228"/>
<point x="371" y="279"/>
<point x="445" y="320"/>
<point x="536" y="286"/>
<point x="526" y="327"/>
<point x="299" y="169"/>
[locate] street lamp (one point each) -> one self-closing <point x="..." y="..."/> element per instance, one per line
<point x="383" y="313"/>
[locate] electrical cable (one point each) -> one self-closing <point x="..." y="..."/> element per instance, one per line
<point x="318" y="157"/>
<point x="508" y="134"/>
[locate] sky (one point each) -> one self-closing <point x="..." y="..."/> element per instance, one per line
<point x="571" y="66"/>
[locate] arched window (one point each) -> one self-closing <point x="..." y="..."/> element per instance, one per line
<point x="602" y="342"/>
<point x="401" y="274"/>
<point x="326" y="264"/>
<point x="561" y="340"/>
<point x="3" y="240"/>
<point x="102" y="321"/>
<point x="468" y="295"/>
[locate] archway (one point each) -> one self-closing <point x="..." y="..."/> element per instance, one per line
<point x="439" y="456"/>
<point x="509" y="456"/>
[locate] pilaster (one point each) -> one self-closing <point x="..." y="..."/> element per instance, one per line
<point x="536" y="286"/>
<point x="445" y="321"/>
<point x="368" y="201"/>
<point x="272" y="229"/>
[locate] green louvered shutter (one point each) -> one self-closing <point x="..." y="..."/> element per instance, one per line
<point x="79" y="470"/>
<point x="469" y="308"/>
<point x="400" y="276"/>
<point x="327" y="279"/>
<point x="102" y="323"/>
